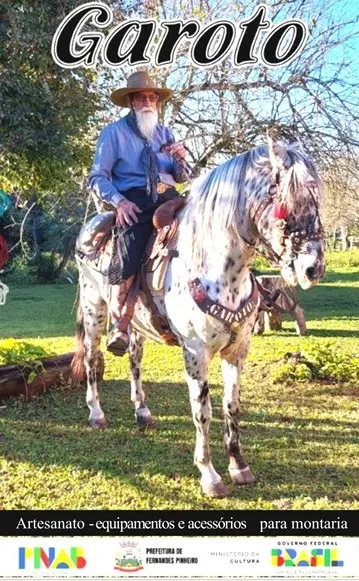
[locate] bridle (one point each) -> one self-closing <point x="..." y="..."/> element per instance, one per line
<point x="234" y="318"/>
<point x="309" y="234"/>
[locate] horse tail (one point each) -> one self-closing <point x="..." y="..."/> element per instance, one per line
<point x="78" y="371"/>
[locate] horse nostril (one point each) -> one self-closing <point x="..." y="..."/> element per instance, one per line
<point x="311" y="273"/>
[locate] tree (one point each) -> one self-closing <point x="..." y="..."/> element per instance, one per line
<point x="50" y="117"/>
<point x="221" y="111"/>
<point x="45" y="111"/>
<point x="342" y="200"/>
<point x="227" y="109"/>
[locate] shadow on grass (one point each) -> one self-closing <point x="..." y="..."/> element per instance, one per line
<point x="333" y="332"/>
<point x="286" y="332"/>
<point x="48" y="310"/>
<point x="341" y="277"/>
<point x="287" y="454"/>
<point x="324" y="303"/>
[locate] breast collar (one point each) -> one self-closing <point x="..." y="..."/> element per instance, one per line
<point x="220" y="312"/>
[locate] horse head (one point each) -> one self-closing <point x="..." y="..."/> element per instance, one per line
<point x="288" y="219"/>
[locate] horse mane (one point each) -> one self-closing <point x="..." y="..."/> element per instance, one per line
<point x="219" y="203"/>
<point x="298" y="174"/>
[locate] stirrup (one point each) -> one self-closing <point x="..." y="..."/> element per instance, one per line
<point x="118" y="342"/>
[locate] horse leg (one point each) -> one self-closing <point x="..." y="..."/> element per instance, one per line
<point x="196" y="377"/>
<point x="275" y="321"/>
<point x="142" y="413"/>
<point x="94" y="322"/>
<point x="259" y="324"/>
<point x="299" y="323"/>
<point x="267" y="323"/>
<point x="238" y="468"/>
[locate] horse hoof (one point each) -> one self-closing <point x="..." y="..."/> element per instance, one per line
<point x="98" y="423"/>
<point x="218" y="490"/>
<point x="242" y="476"/>
<point x="143" y="417"/>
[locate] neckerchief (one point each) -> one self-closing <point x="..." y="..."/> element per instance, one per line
<point x="148" y="158"/>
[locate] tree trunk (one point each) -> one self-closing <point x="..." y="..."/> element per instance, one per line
<point x="64" y="260"/>
<point x="334" y="236"/>
<point x="13" y="380"/>
<point x="344" y="236"/>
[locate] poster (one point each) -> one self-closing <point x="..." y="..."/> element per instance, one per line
<point x="126" y="501"/>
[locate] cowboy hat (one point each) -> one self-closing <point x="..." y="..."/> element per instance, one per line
<point x="137" y="82"/>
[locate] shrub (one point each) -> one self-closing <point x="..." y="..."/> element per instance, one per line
<point x="25" y="355"/>
<point x="19" y="272"/>
<point x="343" y="259"/>
<point x="318" y="362"/>
<point x="290" y="372"/>
<point x="44" y="268"/>
<point x="331" y="363"/>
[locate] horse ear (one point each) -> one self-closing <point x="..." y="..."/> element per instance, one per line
<point x="277" y="153"/>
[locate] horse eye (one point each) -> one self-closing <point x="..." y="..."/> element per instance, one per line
<point x="291" y="220"/>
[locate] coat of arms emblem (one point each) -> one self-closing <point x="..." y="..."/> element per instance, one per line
<point x="128" y="557"/>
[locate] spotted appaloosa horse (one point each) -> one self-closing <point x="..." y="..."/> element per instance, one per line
<point x="268" y="196"/>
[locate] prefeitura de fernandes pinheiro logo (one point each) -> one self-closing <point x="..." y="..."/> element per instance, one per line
<point x="128" y="557"/>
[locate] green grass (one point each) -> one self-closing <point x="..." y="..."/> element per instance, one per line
<point x="301" y="440"/>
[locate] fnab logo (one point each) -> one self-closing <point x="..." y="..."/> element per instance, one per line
<point x="51" y="558"/>
<point x="314" y="558"/>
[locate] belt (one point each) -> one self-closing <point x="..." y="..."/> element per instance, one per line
<point x="162" y="188"/>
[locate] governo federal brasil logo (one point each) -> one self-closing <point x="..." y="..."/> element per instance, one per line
<point x="128" y="557"/>
<point x="287" y="557"/>
<point x="51" y="558"/>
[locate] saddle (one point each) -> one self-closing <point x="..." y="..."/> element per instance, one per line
<point x="161" y="247"/>
<point x="94" y="242"/>
<point x="160" y="250"/>
<point x="94" y="246"/>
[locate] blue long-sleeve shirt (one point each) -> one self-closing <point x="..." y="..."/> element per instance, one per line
<point x="118" y="164"/>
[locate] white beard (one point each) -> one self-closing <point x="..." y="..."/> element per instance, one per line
<point x="147" y="121"/>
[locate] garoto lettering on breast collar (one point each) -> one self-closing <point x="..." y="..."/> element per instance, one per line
<point x="130" y="42"/>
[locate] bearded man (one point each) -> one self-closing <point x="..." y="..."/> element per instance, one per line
<point x="136" y="166"/>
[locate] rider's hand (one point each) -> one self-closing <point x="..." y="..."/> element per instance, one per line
<point x="127" y="213"/>
<point x="177" y="150"/>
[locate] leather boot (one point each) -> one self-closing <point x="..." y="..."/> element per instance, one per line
<point x="121" y="314"/>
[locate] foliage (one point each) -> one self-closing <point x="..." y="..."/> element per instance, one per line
<point x="45" y="110"/>
<point x="341" y="260"/>
<point x="318" y="362"/>
<point x="290" y="371"/>
<point x="44" y="267"/>
<point x="330" y="363"/>
<point x="261" y="264"/>
<point x="335" y="260"/>
<point x="47" y="237"/>
<point x="19" y="272"/>
<point x="25" y="355"/>
<point x="341" y="209"/>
